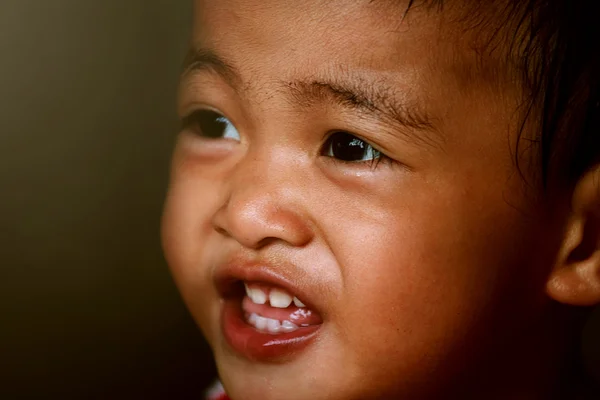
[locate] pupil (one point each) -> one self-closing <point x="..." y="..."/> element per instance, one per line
<point x="347" y="147"/>
<point x="212" y="125"/>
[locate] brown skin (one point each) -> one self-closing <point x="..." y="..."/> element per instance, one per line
<point x="431" y="271"/>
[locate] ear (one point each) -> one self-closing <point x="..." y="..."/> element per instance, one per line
<point x="575" y="279"/>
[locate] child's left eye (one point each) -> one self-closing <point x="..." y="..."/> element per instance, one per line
<point x="347" y="147"/>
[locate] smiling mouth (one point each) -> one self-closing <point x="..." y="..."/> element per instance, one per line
<point x="274" y="310"/>
<point x="264" y="322"/>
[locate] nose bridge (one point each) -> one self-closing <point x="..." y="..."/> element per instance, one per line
<point x="262" y="203"/>
<point x="263" y="166"/>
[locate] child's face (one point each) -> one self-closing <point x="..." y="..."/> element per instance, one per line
<point x="412" y="262"/>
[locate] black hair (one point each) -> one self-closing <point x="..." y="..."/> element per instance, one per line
<point x="557" y="46"/>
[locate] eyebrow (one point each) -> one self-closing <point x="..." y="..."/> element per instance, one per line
<point x="361" y="96"/>
<point x="358" y="95"/>
<point x="202" y="59"/>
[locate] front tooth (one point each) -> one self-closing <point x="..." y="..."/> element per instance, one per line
<point x="279" y="299"/>
<point x="273" y="326"/>
<point x="298" y="303"/>
<point x="256" y="295"/>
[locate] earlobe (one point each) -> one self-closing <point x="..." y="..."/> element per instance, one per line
<point x="575" y="279"/>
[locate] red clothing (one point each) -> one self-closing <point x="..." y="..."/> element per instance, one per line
<point x="221" y="397"/>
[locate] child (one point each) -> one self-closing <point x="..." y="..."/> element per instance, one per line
<point x="378" y="199"/>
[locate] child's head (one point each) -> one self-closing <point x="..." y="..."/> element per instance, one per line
<point x="422" y="176"/>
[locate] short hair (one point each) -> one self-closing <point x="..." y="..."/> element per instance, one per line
<point x="557" y="49"/>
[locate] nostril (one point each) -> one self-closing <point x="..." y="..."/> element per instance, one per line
<point x="265" y="242"/>
<point x="222" y="231"/>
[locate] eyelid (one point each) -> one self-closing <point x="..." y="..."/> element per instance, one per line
<point x="201" y="107"/>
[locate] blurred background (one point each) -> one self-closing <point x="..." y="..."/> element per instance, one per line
<point x="87" y="122"/>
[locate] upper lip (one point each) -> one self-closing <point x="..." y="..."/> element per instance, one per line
<point x="285" y="275"/>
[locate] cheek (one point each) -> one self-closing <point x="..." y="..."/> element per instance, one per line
<point x="187" y="218"/>
<point x="181" y="225"/>
<point x="186" y="243"/>
<point x="424" y="277"/>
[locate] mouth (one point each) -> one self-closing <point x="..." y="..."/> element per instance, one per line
<point x="263" y="319"/>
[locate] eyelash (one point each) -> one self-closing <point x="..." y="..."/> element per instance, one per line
<point x="376" y="155"/>
<point x="196" y="119"/>
<point x="216" y="122"/>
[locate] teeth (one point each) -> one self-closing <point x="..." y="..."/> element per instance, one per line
<point x="252" y="319"/>
<point x="256" y="295"/>
<point x="279" y="299"/>
<point x="272" y="326"/>
<point x="261" y="323"/>
<point x="287" y="326"/>
<point x="298" y="303"/>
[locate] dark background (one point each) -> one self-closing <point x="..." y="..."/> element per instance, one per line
<point x="87" y="123"/>
<point x="88" y="309"/>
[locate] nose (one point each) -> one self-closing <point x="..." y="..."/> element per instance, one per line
<point x="263" y="204"/>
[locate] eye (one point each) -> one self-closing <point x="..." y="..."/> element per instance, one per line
<point x="349" y="148"/>
<point x="211" y="125"/>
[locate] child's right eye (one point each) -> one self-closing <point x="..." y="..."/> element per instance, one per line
<point x="211" y="125"/>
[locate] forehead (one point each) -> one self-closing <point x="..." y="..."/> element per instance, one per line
<point x="290" y="19"/>
<point x="322" y="34"/>
<point x="426" y="52"/>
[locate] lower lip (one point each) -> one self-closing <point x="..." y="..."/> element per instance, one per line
<point x="255" y="345"/>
